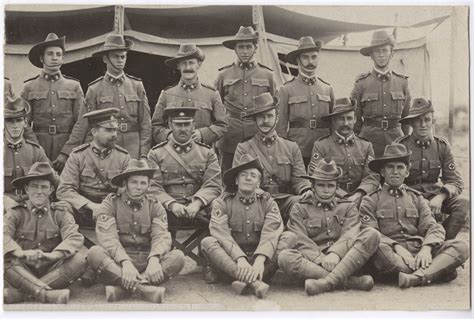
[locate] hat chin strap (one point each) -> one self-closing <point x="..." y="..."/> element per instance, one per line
<point x="322" y="200"/>
<point x="117" y="70"/>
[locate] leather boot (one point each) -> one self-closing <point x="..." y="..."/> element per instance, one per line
<point x="20" y="277"/>
<point x="210" y="275"/>
<point x="364" y="283"/>
<point x="239" y="287"/>
<point x="443" y="265"/>
<point x="310" y="270"/>
<point x="453" y="225"/>
<point x="12" y="295"/>
<point x="89" y="277"/>
<point x="219" y="259"/>
<point x="115" y="293"/>
<point x="259" y="288"/>
<point x="59" y="296"/>
<point x="152" y="294"/>
<point x="355" y="258"/>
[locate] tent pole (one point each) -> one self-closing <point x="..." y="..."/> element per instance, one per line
<point x="119" y="19"/>
<point x="451" y="74"/>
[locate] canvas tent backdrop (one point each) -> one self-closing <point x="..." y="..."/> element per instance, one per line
<point x="158" y="31"/>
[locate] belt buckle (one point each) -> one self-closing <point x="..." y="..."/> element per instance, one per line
<point x="312" y="124"/>
<point x="52" y="129"/>
<point x="123" y="127"/>
<point x="384" y="124"/>
<point x="349" y="186"/>
<point x="242" y="115"/>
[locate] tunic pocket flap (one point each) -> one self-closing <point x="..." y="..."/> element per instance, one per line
<point x="230" y="81"/>
<point x="260" y="82"/>
<point x="174" y="104"/>
<point x="283" y="160"/>
<point x="67" y="95"/>
<point x="236" y="226"/>
<point x="435" y="164"/>
<point x="411" y="212"/>
<point x="169" y="168"/>
<point x="37" y="95"/>
<point x="106" y="99"/>
<point x="340" y="219"/>
<point x="339" y="160"/>
<point x="297" y="99"/>
<point x="314" y="222"/>
<point x="384" y="213"/>
<point x="52" y="233"/>
<point x="132" y="98"/>
<point x="145" y="228"/>
<point x="369" y="97"/>
<point x="28" y="235"/>
<point x="398" y="95"/>
<point x="202" y="105"/>
<point x="123" y="228"/>
<point x="88" y="172"/>
<point x="359" y="161"/>
<point x="325" y="98"/>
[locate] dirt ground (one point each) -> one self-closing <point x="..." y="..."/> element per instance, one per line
<point x="188" y="291"/>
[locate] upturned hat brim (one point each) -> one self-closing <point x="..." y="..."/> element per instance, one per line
<point x="342" y="111"/>
<point x="316" y="177"/>
<point x="413" y="116"/>
<point x="231" y="174"/>
<point x="276" y="101"/>
<point x="230" y="44"/>
<point x="292" y="56"/>
<point x="21" y="181"/>
<point x="366" y="51"/>
<point x="198" y="54"/>
<point x="37" y="50"/>
<point x="104" y="49"/>
<point x="118" y="179"/>
<point x="377" y="164"/>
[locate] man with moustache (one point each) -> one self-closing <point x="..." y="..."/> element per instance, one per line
<point x="19" y="153"/>
<point x="280" y="158"/>
<point x="430" y="155"/>
<point x="305" y="99"/>
<point x="350" y="152"/>
<point x="210" y="120"/>
<point x="382" y="96"/>
<point x="124" y="92"/>
<point x="237" y="84"/>
<point x="85" y="180"/>
<point x="56" y="102"/>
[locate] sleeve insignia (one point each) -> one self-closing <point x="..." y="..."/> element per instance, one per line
<point x="104" y="222"/>
<point x="365" y="218"/>
<point x="161" y="221"/>
<point x="316" y="156"/>
<point x="452" y="166"/>
<point x="218" y="217"/>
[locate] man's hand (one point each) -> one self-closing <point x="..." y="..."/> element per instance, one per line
<point x="52" y="256"/>
<point x="62" y="206"/>
<point x="58" y="163"/>
<point x="423" y="259"/>
<point x="30" y="255"/>
<point x="196" y="136"/>
<point x="178" y="210"/>
<point x="436" y="203"/>
<point x="193" y="208"/>
<point x="406" y="256"/>
<point x="330" y="261"/>
<point x="244" y="270"/>
<point x="308" y="194"/>
<point x="154" y="271"/>
<point x="130" y="275"/>
<point x="258" y="268"/>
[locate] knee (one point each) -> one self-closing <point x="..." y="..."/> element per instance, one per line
<point x="464" y="206"/>
<point x="79" y="259"/>
<point x="176" y="260"/>
<point x="207" y="243"/>
<point x="287" y="240"/>
<point x="95" y="256"/>
<point x="461" y="247"/>
<point x="287" y="260"/>
<point x="370" y="238"/>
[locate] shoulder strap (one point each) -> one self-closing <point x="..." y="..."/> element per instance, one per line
<point x="104" y="180"/>
<point x="178" y="159"/>
<point x="263" y="159"/>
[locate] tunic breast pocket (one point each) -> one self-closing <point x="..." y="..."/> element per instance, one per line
<point x="169" y="172"/>
<point x="198" y="171"/>
<point x="385" y="218"/>
<point x="230" y="87"/>
<point x="25" y="235"/>
<point x="415" y="170"/>
<point x="435" y="169"/>
<point x="260" y="86"/>
<point x="323" y="104"/>
<point x="313" y="226"/>
<point x="105" y="102"/>
<point x="284" y="168"/>
<point x="370" y="105"/>
<point x="38" y="101"/>
<point x="66" y="101"/>
<point x="133" y="103"/>
<point x="398" y="99"/>
<point x="203" y="114"/>
<point x="412" y="216"/>
<point x="53" y="236"/>
<point x="298" y="108"/>
<point x="87" y="176"/>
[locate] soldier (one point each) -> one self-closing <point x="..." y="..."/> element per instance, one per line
<point x="280" y="158"/>
<point x="245" y="227"/>
<point x="85" y="180"/>
<point x="382" y="96"/>
<point x="42" y="250"/>
<point x="237" y="84"/>
<point x="304" y="99"/>
<point x="430" y="155"/>
<point x="189" y="178"/>
<point x="210" y="119"/>
<point x="19" y="153"/>
<point x="56" y="101"/>
<point x="125" y="92"/>
<point x="132" y="230"/>
<point x="412" y="243"/>
<point x="350" y="152"/>
<point x="327" y="246"/>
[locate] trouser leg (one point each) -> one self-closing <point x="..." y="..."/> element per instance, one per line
<point x="458" y="209"/>
<point x="19" y="276"/>
<point x="66" y="271"/>
<point x="226" y="160"/>
<point x="386" y="261"/>
<point x="108" y="271"/>
<point x="218" y="258"/>
<point x="172" y="263"/>
<point x="294" y="263"/>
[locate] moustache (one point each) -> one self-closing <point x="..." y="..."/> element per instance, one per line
<point x="310" y="66"/>
<point x="188" y="71"/>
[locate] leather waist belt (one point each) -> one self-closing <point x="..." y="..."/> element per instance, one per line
<point x="311" y="124"/>
<point x="277" y="189"/>
<point x="125" y="127"/>
<point x="93" y="198"/>
<point x="383" y="124"/>
<point x="52" y="129"/>
<point x="237" y="114"/>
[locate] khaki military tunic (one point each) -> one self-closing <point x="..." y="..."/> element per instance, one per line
<point x="237" y="84"/>
<point x="246" y="227"/>
<point x="56" y="105"/>
<point x="352" y="155"/>
<point x="381" y="101"/>
<point x="302" y="103"/>
<point x="210" y="119"/>
<point x="79" y="184"/>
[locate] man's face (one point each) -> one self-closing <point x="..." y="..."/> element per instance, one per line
<point x="324" y="190"/>
<point x="14" y="127"/>
<point x="105" y="136"/>
<point x="137" y="185"/>
<point x="189" y="68"/>
<point x="423" y="126"/>
<point x="382" y="55"/>
<point x="38" y="192"/>
<point x="182" y="131"/>
<point x="394" y="173"/>
<point x="344" y="123"/>
<point x="245" y="51"/>
<point x="115" y="60"/>
<point x="308" y="62"/>
<point x="266" y="121"/>
<point x="248" y="180"/>
<point x="52" y="58"/>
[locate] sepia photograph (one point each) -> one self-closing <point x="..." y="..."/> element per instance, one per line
<point x="242" y="157"/>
